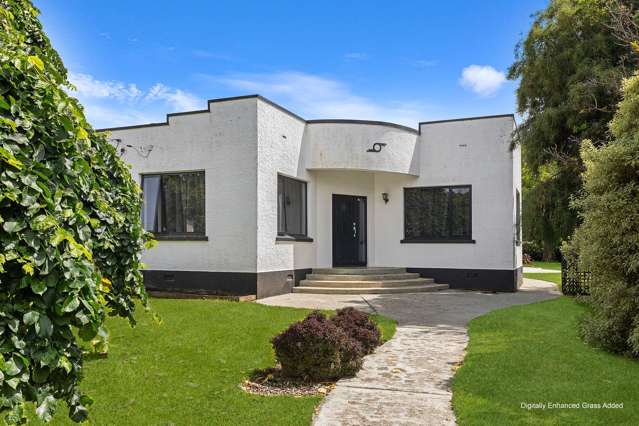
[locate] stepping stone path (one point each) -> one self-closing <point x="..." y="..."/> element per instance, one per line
<point x="407" y="380"/>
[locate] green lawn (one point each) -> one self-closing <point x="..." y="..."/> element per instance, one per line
<point x="531" y="353"/>
<point x="386" y="325"/>
<point x="546" y="265"/>
<point x="187" y="370"/>
<point x="546" y="276"/>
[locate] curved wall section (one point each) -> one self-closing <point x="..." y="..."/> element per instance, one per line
<point x="344" y="145"/>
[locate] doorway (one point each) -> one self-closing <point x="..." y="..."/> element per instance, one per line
<point x="349" y="230"/>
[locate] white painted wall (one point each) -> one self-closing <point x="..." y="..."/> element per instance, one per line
<point x="279" y="137"/>
<point x="469" y="152"/>
<point x="223" y="144"/>
<point x="344" y="145"/>
<point x="242" y="145"/>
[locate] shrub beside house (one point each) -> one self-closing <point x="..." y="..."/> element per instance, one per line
<point x="319" y="348"/>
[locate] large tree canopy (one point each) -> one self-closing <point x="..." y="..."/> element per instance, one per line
<point x="70" y="232"/>
<point x="570" y="68"/>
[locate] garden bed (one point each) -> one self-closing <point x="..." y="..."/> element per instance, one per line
<point x="314" y="353"/>
<point x="271" y="382"/>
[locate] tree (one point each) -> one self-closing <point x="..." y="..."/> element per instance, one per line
<point x="624" y="24"/>
<point x="570" y="68"/>
<point x="70" y="231"/>
<point x="607" y="241"/>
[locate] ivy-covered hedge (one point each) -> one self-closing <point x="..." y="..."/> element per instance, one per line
<point x="70" y="231"/>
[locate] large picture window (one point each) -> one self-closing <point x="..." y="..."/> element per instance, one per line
<point x="174" y="203"/>
<point x="437" y="214"/>
<point x="291" y="207"/>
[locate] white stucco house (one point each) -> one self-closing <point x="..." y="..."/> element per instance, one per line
<point x="246" y="197"/>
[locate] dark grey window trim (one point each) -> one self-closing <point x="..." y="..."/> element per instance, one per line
<point x="281" y="236"/>
<point x="181" y="237"/>
<point x="437" y="241"/>
<point x="189" y="236"/>
<point x="440" y="241"/>
<point x="173" y="172"/>
<point x="293" y="238"/>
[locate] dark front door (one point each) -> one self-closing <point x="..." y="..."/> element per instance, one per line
<point x="349" y="230"/>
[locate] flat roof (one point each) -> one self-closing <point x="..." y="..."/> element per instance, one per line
<point x="292" y="114"/>
<point x="479" y="117"/>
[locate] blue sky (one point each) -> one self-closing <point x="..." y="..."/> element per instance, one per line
<point x="399" y="61"/>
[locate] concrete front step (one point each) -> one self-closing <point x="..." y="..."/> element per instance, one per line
<point x="359" y="271"/>
<point x="364" y="290"/>
<point x="366" y="283"/>
<point x="361" y="277"/>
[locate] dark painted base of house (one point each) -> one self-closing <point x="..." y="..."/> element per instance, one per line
<point x="475" y="279"/>
<point x="266" y="284"/>
<point x="261" y="284"/>
<point x="279" y="282"/>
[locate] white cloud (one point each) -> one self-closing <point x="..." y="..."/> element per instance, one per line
<point x="110" y="103"/>
<point x="88" y="86"/>
<point x="179" y="99"/>
<point x="482" y="79"/>
<point x="314" y="96"/>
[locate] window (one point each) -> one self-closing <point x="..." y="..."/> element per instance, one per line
<point x="517" y="217"/>
<point x="437" y="214"/>
<point x="291" y="207"/>
<point x="174" y="203"/>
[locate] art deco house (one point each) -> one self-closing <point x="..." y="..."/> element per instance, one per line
<point x="246" y="197"/>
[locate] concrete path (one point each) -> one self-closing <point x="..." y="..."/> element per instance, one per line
<point x="407" y="380"/>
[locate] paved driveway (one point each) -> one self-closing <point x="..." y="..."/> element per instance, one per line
<point x="407" y="380"/>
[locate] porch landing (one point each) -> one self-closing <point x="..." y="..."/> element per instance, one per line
<point x="374" y="280"/>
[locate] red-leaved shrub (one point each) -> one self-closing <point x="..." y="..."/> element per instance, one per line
<point x="358" y="325"/>
<point x="351" y="357"/>
<point x="318" y="348"/>
<point x="315" y="349"/>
